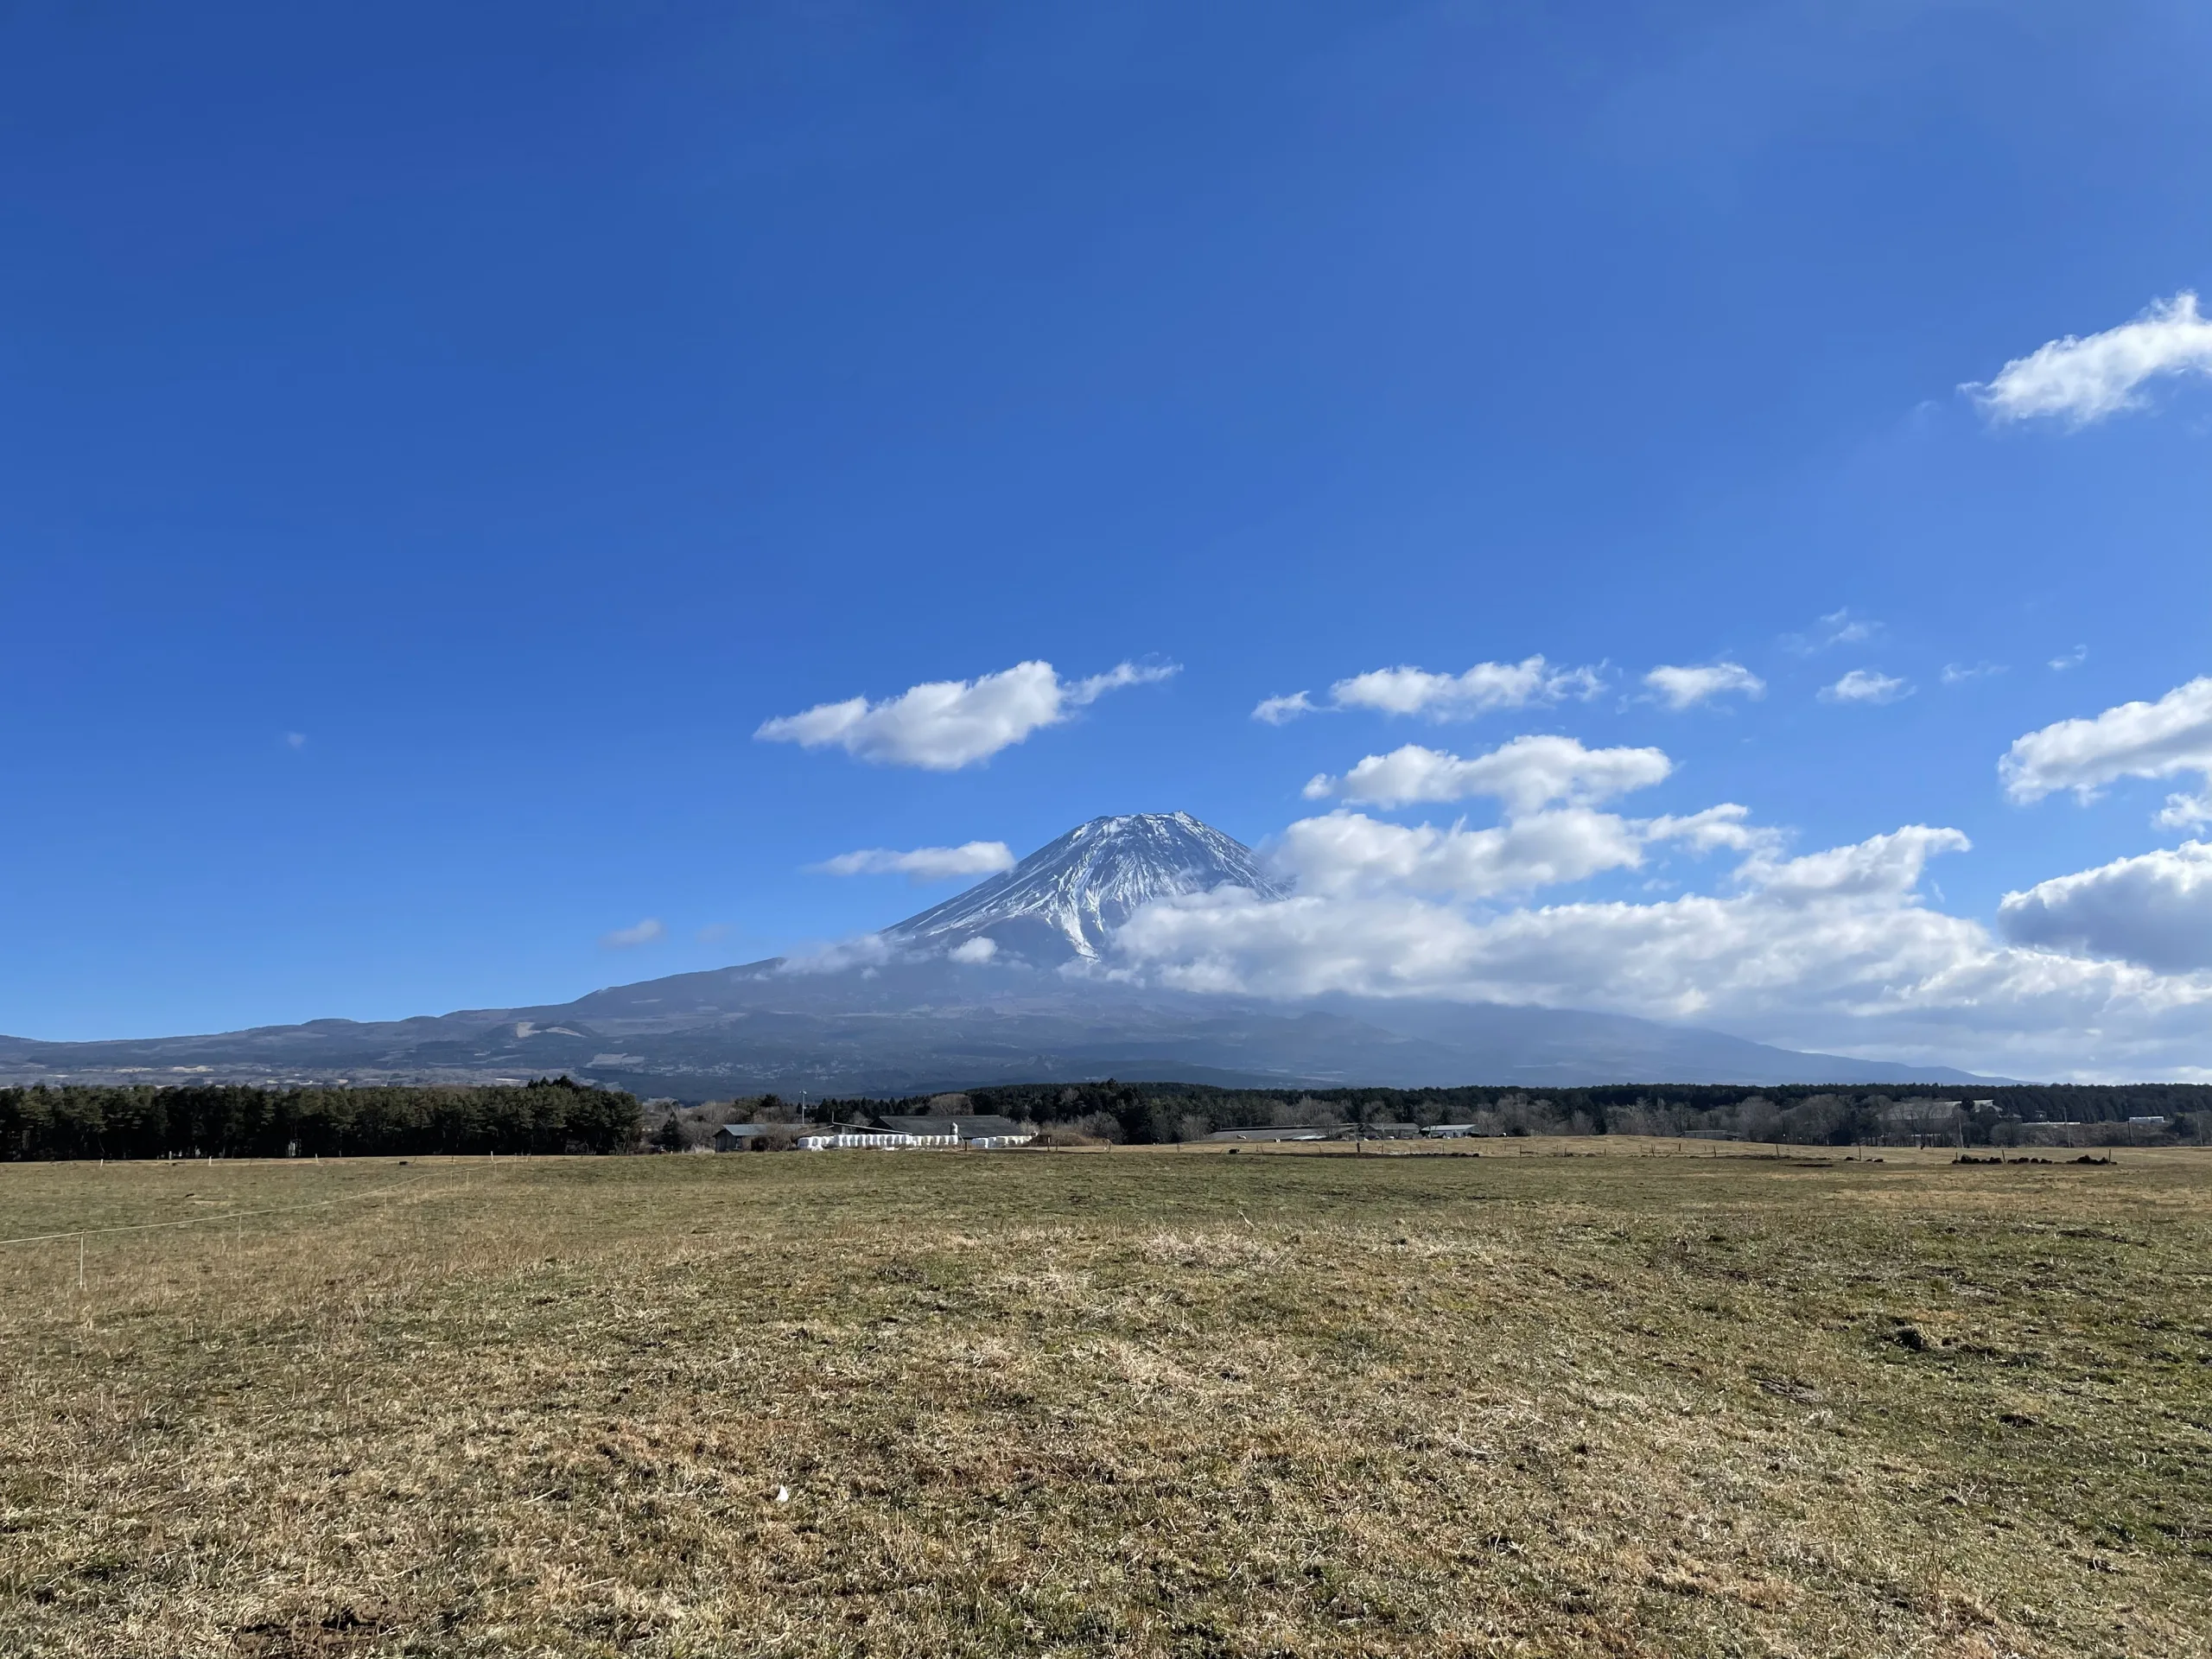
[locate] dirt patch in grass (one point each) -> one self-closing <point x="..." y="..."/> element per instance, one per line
<point x="1148" y="1402"/>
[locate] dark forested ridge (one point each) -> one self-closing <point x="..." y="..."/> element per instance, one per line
<point x="552" y="1115"/>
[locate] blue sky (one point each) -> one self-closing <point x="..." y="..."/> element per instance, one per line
<point x="434" y="442"/>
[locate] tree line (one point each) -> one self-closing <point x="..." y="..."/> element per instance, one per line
<point x="557" y="1114"/>
<point x="550" y="1115"/>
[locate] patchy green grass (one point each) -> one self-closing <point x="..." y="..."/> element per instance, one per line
<point x="1145" y="1402"/>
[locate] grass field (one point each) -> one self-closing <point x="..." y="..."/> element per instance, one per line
<point x="1536" y="1402"/>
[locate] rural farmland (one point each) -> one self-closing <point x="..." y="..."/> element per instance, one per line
<point x="1564" y="1397"/>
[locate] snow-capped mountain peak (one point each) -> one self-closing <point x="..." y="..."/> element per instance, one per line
<point x="1066" y="899"/>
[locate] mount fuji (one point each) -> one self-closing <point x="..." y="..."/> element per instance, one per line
<point x="991" y="986"/>
<point x="1065" y="900"/>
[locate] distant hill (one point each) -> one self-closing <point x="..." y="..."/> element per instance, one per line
<point x="993" y="986"/>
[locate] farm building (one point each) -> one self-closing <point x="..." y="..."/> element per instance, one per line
<point x="983" y="1132"/>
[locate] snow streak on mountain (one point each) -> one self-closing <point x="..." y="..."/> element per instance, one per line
<point x="1065" y="899"/>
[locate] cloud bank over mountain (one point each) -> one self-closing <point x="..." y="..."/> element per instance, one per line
<point x="1838" y="947"/>
<point x="2103" y="972"/>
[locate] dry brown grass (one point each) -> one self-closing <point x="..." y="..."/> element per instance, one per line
<point x="1151" y="1402"/>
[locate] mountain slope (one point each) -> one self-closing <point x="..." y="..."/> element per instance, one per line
<point x="922" y="1026"/>
<point x="999" y="984"/>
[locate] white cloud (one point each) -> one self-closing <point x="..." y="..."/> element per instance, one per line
<point x="1838" y="627"/>
<point x="1843" y="628"/>
<point x="972" y="952"/>
<point x="1525" y="774"/>
<point x="944" y="725"/>
<point x="1484" y="689"/>
<point x="1276" y="711"/>
<point x="868" y="952"/>
<point x="2073" y="659"/>
<point x="1866" y="685"/>
<point x="923" y="863"/>
<point x="1085" y="692"/>
<point x="2155" y="910"/>
<point x="1962" y="673"/>
<point x="1550" y="788"/>
<point x="2183" y="811"/>
<point x="2136" y="740"/>
<point x="1350" y="853"/>
<point x="2083" y="380"/>
<point x="625" y="938"/>
<point x="1715" y="827"/>
<point x="1881" y="867"/>
<point x="1685" y="688"/>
